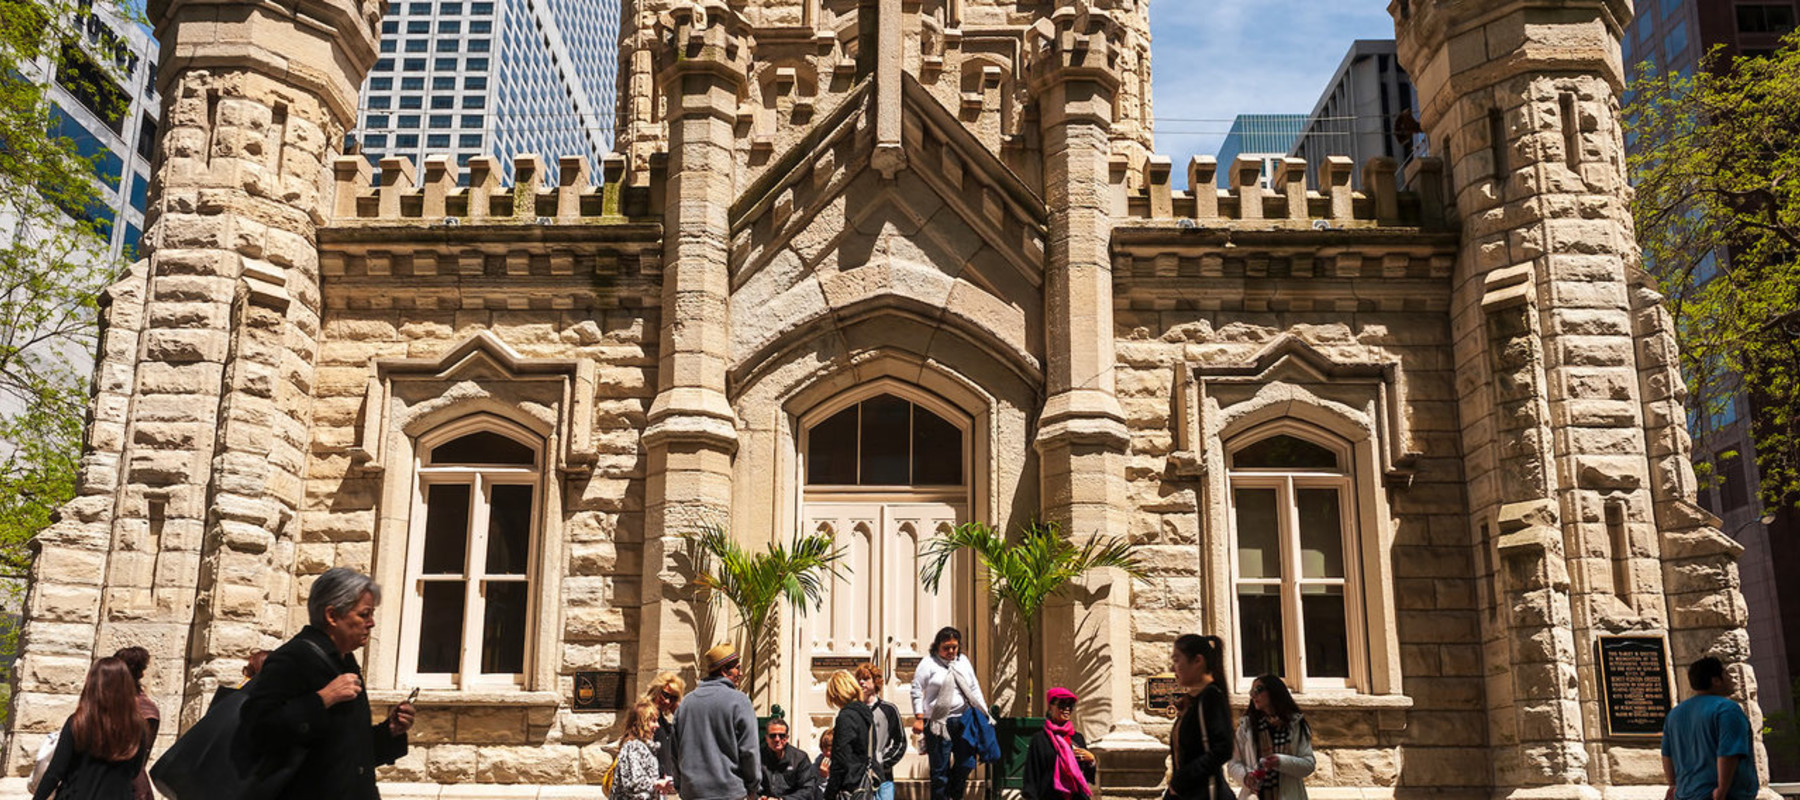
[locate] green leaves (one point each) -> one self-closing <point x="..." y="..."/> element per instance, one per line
<point x="756" y="583"/>
<point x="1026" y="573"/>
<point x="1717" y="204"/>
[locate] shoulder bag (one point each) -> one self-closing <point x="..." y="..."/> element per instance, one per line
<point x="213" y="761"/>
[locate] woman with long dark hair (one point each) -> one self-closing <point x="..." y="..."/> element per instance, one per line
<point x="1273" y="749"/>
<point x="1200" y="742"/>
<point x="137" y="659"/>
<point x="103" y="745"/>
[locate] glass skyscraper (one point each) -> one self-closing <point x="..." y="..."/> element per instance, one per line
<point x="492" y="77"/>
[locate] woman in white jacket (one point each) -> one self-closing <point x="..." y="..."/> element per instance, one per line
<point x="1273" y="752"/>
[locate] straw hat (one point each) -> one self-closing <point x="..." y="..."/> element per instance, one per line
<point x="721" y="657"/>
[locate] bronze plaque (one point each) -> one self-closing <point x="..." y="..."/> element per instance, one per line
<point x="600" y="690"/>
<point x="1161" y="695"/>
<point x="906" y="666"/>
<point x="1634" y="676"/>
<point x="834" y="663"/>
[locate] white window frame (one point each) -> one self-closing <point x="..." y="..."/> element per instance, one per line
<point x="481" y="478"/>
<point x="1286" y="482"/>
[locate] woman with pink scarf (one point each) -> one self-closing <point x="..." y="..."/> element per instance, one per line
<point x="1058" y="766"/>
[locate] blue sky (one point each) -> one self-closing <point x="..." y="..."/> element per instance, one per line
<point x="1216" y="59"/>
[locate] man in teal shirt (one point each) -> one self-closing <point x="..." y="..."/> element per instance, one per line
<point x="1706" y="740"/>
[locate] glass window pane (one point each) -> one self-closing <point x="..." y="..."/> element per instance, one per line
<point x="1327" y="643"/>
<point x="936" y="450"/>
<point x="441" y="626"/>
<point x="1259" y="613"/>
<point x="509" y="529"/>
<point x="483" y="447"/>
<point x="503" y="627"/>
<point x="1258" y="533"/>
<point x="1284" y="452"/>
<point x="1321" y="534"/>
<point x="886" y="441"/>
<point x="831" y="450"/>
<point x="446" y="528"/>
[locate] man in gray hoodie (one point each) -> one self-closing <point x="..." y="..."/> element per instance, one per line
<point x="716" y="752"/>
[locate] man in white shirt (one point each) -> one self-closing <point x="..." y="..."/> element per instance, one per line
<point x="943" y="687"/>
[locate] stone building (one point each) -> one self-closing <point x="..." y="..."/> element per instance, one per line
<point x="874" y="267"/>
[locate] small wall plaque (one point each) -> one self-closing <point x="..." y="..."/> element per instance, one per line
<point x="834" y="663"/>
<point x="1161" y="693"/>
<point x="1634" y="676"/>
<point x="906" y="667"/>
<point x="600" y="690"/>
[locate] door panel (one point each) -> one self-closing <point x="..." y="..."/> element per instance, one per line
<point x="876" y="609"/>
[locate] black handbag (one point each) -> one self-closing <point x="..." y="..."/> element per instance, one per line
<point x="214" y="760"/>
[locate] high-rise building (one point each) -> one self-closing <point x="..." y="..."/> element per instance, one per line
<point x="1357" y="113"/>
<point x="103" y="98"/>
<point x="1674" y="36"/>
<point x="1267" y="137"/>
<point x="492" y="77"/>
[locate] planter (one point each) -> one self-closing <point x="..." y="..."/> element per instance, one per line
<point x="1014" y="735"/>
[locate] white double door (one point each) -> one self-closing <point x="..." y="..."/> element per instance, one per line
<point x="877" y="610"/>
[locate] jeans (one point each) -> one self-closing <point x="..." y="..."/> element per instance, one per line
<point x="885" y="791"/>
<point x="951" y="761"/>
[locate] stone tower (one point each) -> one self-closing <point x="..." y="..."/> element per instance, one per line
<point x="182" y="536"/>
<point x="1581" y="488"/>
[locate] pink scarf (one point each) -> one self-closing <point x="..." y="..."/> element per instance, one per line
<point x="1067" y="779"/>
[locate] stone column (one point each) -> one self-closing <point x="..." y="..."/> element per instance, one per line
<point x="192" y="479"/>
<point x="1082" y="437"/>
<point x="1520" y="99"/>
<point x="692" y="433"/>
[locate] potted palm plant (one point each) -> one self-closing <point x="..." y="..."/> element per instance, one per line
<point x="755" y="584"/>
<point x="1023" y="575"/>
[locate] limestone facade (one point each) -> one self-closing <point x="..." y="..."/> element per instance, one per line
<point x="831" y="210"/>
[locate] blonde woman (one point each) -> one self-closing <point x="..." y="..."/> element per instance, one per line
<point x="635" y="776"/>
<point x="852" y="740"/>
<point x="664" y="693"/>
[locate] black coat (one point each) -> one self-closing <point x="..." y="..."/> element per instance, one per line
<point x="283" y="710"/>
<point x="850" y="744"/>
<point x="1040" y="766"/>
<point x="74" y="775"/>
<point x="790" y="777"/>
<point x="1202" y="744"/>
<point x="664" y="739"/>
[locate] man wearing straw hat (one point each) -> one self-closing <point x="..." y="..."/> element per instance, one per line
<point x="716" y="753"/>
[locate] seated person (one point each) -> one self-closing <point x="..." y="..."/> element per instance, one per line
<point x="787" y="772"/>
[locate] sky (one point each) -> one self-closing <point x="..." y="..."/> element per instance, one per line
<point x="1215" y="59"/>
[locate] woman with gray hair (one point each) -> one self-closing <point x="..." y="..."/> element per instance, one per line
<point x="309" y="697"/>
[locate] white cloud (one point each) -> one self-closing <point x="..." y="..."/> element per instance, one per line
<point x="1216" y="59"/>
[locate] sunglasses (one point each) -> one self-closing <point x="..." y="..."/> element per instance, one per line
<point x="670" y="696"/>
<point x="1064" y="704"/>
<point x="781" y="736"/>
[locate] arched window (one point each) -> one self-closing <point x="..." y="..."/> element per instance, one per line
<point x="1294" y="554"/>
<point x="471" y="557"/>
<point x="884" y="441"/>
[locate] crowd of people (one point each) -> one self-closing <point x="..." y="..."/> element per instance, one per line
<point x="304" y="720"/>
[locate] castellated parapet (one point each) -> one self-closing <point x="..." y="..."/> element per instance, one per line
<point x="941" y="212"/>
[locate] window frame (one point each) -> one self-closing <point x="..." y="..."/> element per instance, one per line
<point x="1287" y="483"/>
<point x="481" y="478"/>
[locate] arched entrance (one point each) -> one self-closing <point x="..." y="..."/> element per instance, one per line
<point x="883" y="470"/>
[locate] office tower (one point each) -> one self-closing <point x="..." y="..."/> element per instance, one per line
<point x="1267" y="137"/>
<point x="103" y="98"/>
<point x="1674" y="35"/>
<point x="492" y="77"/>
<point x="1357" y="112"/>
